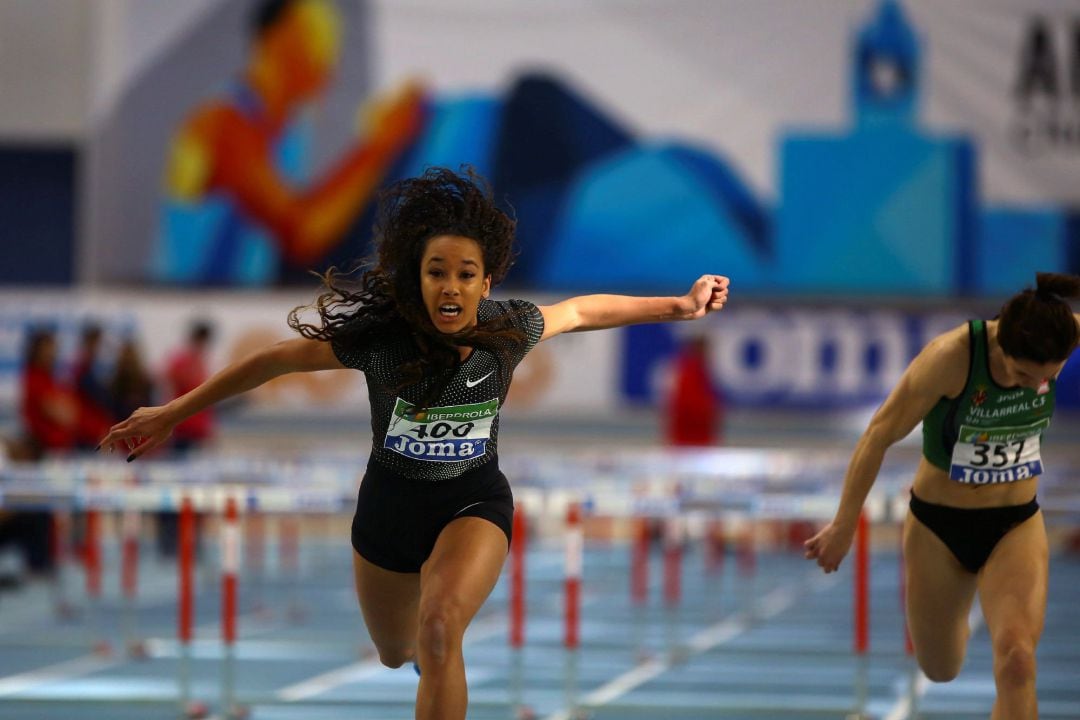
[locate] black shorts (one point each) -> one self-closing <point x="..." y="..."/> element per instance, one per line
<point x="971" y="533"/>
<point x="398" y="519"/>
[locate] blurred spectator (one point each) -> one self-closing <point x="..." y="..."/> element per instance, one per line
<point x="695" y="408"/>
<point x="31" y="533"/>
<point x="50" y="411"/>
<point x="187" y="369"/>
<point x="95" y="407"/>
<point x="50" y="417"/>
<point x="131" y="386"/>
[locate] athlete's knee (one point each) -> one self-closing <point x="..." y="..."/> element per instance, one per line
<point x="941" y="662"/>
<point x="940" y="667"/>
<point x="940" y="672"/>
<point x="395" y="656"/>
<point x="1014" y="659"/>
<point x="441" y="629"/>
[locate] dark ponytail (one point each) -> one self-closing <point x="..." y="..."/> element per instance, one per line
<point x="1038" y="324"/>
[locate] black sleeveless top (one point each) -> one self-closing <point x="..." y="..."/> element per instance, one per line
<point x="459" y="430"/>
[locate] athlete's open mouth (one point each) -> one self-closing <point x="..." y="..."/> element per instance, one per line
<point x="449" y="310"/>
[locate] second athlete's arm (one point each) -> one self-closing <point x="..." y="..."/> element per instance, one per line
<point x="939" y="370"/>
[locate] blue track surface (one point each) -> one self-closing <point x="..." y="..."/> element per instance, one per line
<point x="769" y="646"/>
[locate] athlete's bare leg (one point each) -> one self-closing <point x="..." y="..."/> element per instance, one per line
<point x="389" y="602"/>
<point x="1012" y="591"/>
<point x="454" y="582"/>
<point x="939" y="596"/>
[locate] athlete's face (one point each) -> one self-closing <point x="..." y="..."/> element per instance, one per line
<point x="453" y="282"/>
<point x="1028" y="373"/>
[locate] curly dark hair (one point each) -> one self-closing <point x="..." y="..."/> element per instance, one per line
<point x="386" y="301"/>
<point x="1037" y="323"/>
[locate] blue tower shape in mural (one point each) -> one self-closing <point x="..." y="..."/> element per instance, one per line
<point x="883" y="208"/>
<point x="885" y="72"/>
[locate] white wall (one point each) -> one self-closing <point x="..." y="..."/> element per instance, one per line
<point x="129" y="35"/>
<point x="65" y="63"/>
<point x="44" y="69"/>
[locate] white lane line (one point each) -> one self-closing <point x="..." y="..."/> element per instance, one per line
<point x="84" y="665"/>
<point x="329" y="680"/>
<point x="711" y="637"/>
<point x="622" y="684"/>
<point x="359" y="671"/>
<point x="904" y="706"/>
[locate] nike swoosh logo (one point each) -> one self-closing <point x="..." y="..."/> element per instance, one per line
<point x="474" y="383"/>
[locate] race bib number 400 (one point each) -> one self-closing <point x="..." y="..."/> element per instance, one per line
<point x="441" y="434"/>
<point x="1000" y="455"/>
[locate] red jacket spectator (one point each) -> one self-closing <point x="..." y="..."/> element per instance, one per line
<point x="187" y="370"/>
<point x="694" y="408"/>
<point x="50" y="411"/>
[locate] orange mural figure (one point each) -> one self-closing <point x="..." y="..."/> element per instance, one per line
<point x="239" y="207"/>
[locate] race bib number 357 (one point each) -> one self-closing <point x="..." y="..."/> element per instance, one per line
<point x="999" y="455"/>
<point x="441" y="434"/>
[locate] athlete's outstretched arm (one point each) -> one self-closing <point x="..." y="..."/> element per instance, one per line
<point x="149" y="427"/>
<point x="596" y="312"/>
<point x="938" y="371"/>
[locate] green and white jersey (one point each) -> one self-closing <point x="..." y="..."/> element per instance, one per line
<point x="988" y="434"/>
<point x="460" y="430"/>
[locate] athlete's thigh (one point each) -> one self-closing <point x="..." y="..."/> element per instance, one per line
<point x="389" y="602"/>
<point x="464" y="566"/>
<point x="939" y="595"/>
<point x="1012" y="584"/>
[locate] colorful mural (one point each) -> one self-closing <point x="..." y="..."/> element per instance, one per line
<point x="241" y="204"/>
<point x="875" y="202"/>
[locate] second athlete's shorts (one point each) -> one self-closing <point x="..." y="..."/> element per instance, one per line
<point x="398" y="519"/>
<point x="971" y="533"/>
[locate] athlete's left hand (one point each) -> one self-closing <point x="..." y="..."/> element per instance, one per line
<point x="830" y="546"/>
<point x="708" y="294"/>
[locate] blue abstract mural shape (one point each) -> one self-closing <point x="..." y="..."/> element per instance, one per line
<point x="1042" y="234"/>
<point x="643" y="217"/>
<point x="548" y="134"/>
<point x="459" y="131"/>
<point x="878" y="211"/>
